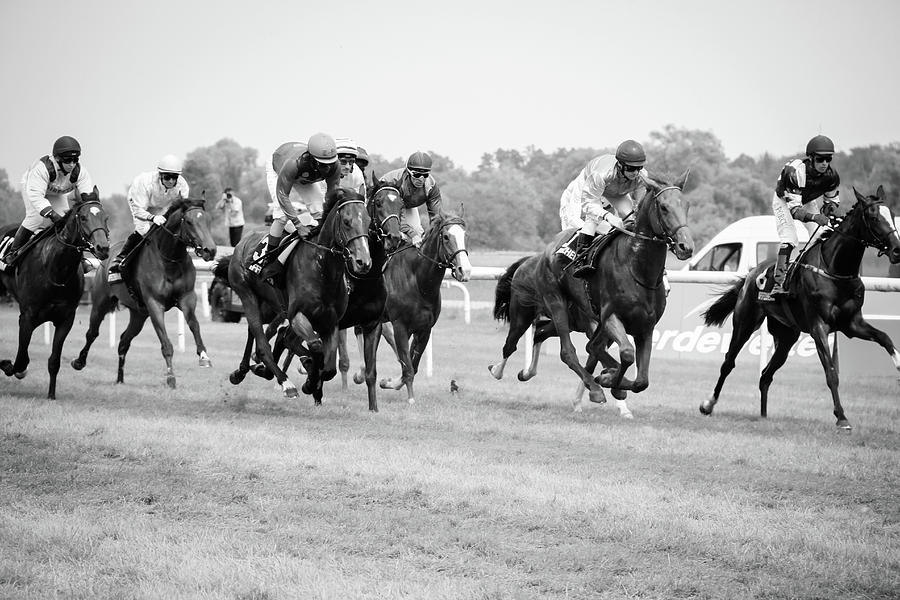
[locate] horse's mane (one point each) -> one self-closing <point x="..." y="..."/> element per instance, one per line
<point x="181" y="203"/>
<point x="335" y="197"/>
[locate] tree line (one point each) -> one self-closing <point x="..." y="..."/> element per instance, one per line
<point x="511" y="200"/>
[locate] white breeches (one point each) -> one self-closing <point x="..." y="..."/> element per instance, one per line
<point x="784" y="222"/>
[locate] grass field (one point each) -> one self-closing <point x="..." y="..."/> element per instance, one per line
<point x="499" y="491"/>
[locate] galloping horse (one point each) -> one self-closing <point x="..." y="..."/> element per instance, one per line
<point x="625" y="295"/>
<point x="826" y="295"/>
<point x="368" y="295"/>
<point x="48" y="280"/>
<point x="413" y="279"/>
<point x="161" y="276"/>
<point x="315" y="292"/>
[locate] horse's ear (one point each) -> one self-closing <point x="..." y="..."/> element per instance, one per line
<point x="462" y="210"/>
<point x="374" y="178"/>
<point x="96" y="192"/>
<point x="879" y="193"/>
<point x="682" y="181"/>
<point x="859" y="197"/>
<point x="203" y="194"/>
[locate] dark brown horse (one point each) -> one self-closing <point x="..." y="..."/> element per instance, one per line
<point x="48" y="281"/>
<point x="625" y="295"/>
<point x="826" y="296"/>
<point x="314" y="296"/>
<point x="413" y="278"/>
<point x="161" y="275"/>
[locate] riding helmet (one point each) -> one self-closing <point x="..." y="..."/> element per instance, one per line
<point x="322" y="147"/>
<point x="169" y="164"/>
<point x="419" y="161"/>
<point x="66" y="145"/>
<point x="820" y="145"/>
<point x="631" y="153"/>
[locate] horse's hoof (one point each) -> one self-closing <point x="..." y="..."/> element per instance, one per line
<point x="6" y="367"/>
<point x="78" y="364"/>
<point x="358" y="379"/>
<point x="235" y="377"/>
<point x="522" y="376"/>
<point x="170" y="381"/>
<point x="596" y="396"/>
<point x="410" y="400"/>
<point x="21" y="374"/>
<point x="290" y="392"/>
<point x="605" y="378"/>
<point x="306" y="388"/>
<point x="315" y="345"/>
<point x="844" y="425"/>
<point x="626" y="415"/>
<point x="494" y="373"/>
<point x="205" y="362"/>
<point x="384" y="384"/>
<point x="619" y="394"/>
<point x="261" y="370"/>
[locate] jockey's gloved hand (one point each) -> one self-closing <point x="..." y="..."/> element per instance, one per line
<point x="49" y="213"/>
<point x="828" y="208"/>
<point x="159" y="220"/>
<point x="614" y="220"/>
<point x="302" y="230"/>
<point x="821" y="220"/>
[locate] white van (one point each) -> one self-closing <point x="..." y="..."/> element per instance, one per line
<point x="751" y="240"/>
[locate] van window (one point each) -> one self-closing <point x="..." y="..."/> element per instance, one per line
<point x="724" y="257"/>
<point x="766" y="251"/>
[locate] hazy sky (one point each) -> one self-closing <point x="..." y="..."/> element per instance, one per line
<point x="134" y="80"/>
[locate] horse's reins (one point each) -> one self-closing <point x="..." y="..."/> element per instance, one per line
<point x="86" y="244"/>
<point x="341" y="247"/>
<point x="448" y="262"/>
<point x="669" y="238"/>
<point x="882" y="248"/>
<point x="379" y="227"/>
<point x="179" y="237"/>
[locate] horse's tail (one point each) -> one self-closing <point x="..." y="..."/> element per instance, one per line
<point x="503" y="294"/>
<point x="719" y="310"/>
<point x="221" y="269"/>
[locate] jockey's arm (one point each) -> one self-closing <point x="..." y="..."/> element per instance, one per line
<point x="433" y="203"/>
<point x="286" y="177"/>
<point x="36" y="185"/>
<point x="139" y="200"/>
<point x="333" y="179"/>
<point x="84" y="185"/>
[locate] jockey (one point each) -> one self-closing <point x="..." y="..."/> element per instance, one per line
<point x="47" y="186"/>
<point x="416" y="187"/>
<point x="362" y="160"/>
<point x="598" y="198"/>
<point x="798" y="189"/>
<point x="301" y="172"/>
<point x="149" y="197"/>
<point x="351" y="177"/>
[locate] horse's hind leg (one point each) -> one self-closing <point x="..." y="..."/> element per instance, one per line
<point x="401" y="338"/>
<point x="61" y="331"/>
<point x="520" y="319"/>
<point x="99" y="310"/>
<point x="541" y="334"/>
<point x="820" y="335"/>
<point x="344" y="358"/>
<point x="188" y="306"/>
<point x="135" y="324"/>
<point x="784" y="338"/>
<point x="360" y="375"/>
<point x="238" y="375"/>
<point x="746" y="319"/>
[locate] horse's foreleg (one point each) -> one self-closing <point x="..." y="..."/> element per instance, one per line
<point x="589" y="366"/>
<point x="820" y="336"/>
<point x="784" y="338"/>
<point x="263" y="350"/>
<point x="238" y="375"/>
<point x="401" y="338"/>
<point x="860" y="328"/>
<point x="344" y="358"/>
<point x="541" y="334"/>
<point x="136" y="322"/>
<point x="99" y="309"/>
<point x="19" y="367"/>
<point x="520" y="319"/>
<point x="188" y="306"/>
<point x="158" y="320"/>
<point x="60" y="332"/>
<point x="360" y="375"/>
<point x="371" y="337"/>
<point x="559" y="314"/>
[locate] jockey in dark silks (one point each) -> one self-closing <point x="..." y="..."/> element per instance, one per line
<point x="798" y="189"/>
<point x="47" y="186"/>
<point x="416" y="187"/>
<point x="150" y="195"/>
<point x="301" y="172"/>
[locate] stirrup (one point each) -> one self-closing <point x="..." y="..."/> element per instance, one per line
<point x="583" y="270"/>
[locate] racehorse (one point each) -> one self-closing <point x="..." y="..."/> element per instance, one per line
<point x="159" y="275"/>
<point x="49" y="280"/>
<point x="624" y="296"/>
<point x="413" y="279"/>
<point x="826" y="296"/>
<point x="314" y="295"/>
<point x="368" y="295"/>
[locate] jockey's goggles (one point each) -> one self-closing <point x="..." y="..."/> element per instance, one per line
<point x="632" y="168"/>
<point x="346" y="159"/>
<point x="169" y="176"/>
<point x="822" y="158"/>
<point x="419" y="174"/>
<point x="69" y="159"/>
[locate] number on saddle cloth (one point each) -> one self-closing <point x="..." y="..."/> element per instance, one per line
<point x="6" y="242"/>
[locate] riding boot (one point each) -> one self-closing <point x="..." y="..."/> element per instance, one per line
<point x="567" y="252"/>
<point x="583" y="265"/>
<point x="779" y="274"/>
<point x="261" y="258"/>
<point x="21" y="238"/>
<point x="115" y="265"/>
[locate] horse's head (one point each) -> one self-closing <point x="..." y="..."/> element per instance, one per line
<point x="346" y="229"/>
<point x="89" y="225"/>
<point x="452" y="251"/>
<point x="663" y="213"/>
<point x="873" y="222"/>
<point x="187" y="220"/>
<point x="385" y="206"/>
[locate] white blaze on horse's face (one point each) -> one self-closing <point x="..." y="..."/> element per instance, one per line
<point x="885" y="213"/>
<point x="95" y="211"/>
<point x="462" y="268"/>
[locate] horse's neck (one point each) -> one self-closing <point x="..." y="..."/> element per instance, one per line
<point x="840" y="255"/>
<point x="60" y="253"/>
<point x="167" y="245"/>
<point x="647" y="257"/>
<point x="429" y="267"/>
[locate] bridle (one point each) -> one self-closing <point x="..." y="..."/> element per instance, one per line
<point x="874" y="241"/>
<point x="667" y="237"/>
<point x="82" y="240"/>
<point x="379" y="227"/>
<point x="340" y="244"/>
<point x="446" y="263"/>
<point x="182" y="235"/>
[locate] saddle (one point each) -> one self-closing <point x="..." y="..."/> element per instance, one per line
<point x="278" y="257"/>
<point x="600" y="242"/>
<point x="7" y="239"/>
